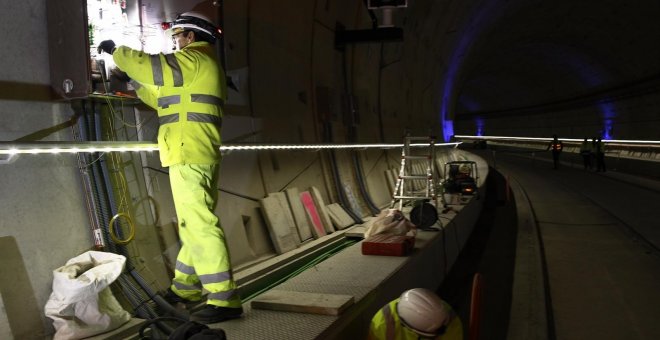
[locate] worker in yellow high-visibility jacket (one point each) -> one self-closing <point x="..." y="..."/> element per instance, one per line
<point x="417" y="314"/>
<point x="188" y="89"/>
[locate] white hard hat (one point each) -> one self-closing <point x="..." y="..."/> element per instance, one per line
<point x="193" y="21"/>
<point x="422" y="311"/>
<point x="464" y="169"/>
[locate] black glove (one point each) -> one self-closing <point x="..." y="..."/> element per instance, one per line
<point x="121" y="75"/>
<point x="107" y="46"/>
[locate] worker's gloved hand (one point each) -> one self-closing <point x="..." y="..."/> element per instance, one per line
<point x="121" y="75"/>
<point x="107" y="46"/>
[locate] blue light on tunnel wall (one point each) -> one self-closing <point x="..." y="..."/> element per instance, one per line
<point x="480" y="18"/>
<point x="480" y="126"/>
<point x="607" y="130"/>
<point x="447" y="129"/>
<point x="608" y="121"/>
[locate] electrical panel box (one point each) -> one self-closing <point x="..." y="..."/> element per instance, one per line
<point x="76" y="27"/>
<point x="375" y="4"/>
<point x="68" y="47"/>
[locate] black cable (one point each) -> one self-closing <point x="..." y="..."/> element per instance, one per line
<point x="157" y="321"/>
<point x="299" y="174"/>
<point x="363" y="189"/>
<point x="372" y="16"/>
<point x="343" y="200"/>
<point x="239" y="195"/>
<point x="156" y="169"/>
<point x="159" y="300"/>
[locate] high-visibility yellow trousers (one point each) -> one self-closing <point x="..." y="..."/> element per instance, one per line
<point x="203" y="261"/>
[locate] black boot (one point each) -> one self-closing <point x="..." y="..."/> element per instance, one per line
<point x="213" y="314"/>
<point x="173" y="299"/>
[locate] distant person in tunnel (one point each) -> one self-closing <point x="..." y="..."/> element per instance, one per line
<point x="187" y="88"/>
<point x="586" y="153"/>
<point x="417" y="314"/>
<point x="557" y="146"/>
<point x="600" y="155"/>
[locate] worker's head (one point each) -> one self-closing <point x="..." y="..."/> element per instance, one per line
<point x="190" y="27"/>
<point x="423" y="312"/>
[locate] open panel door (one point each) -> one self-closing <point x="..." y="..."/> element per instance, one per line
<point x="68" y="46"/>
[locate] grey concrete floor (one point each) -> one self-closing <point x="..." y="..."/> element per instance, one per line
<point x="600" y="235"/>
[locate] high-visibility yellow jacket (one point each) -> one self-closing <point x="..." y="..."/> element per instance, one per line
<point x="188" y="89"/>
<point x="386" y="325"/>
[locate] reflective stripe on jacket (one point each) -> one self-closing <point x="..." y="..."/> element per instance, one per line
<point x="556" y="146"/>
<point x="386" y="325"/>
<point x="187" y="89"/>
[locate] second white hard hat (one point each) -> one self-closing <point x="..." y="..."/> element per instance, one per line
<point x="422" y="311"/>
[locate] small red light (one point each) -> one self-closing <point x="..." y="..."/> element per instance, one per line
<point x="165" y="25"/>
<point x="219" y="31"/>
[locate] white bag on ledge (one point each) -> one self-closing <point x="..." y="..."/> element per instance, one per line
<point x="390" y="222"/>
<point x="81" y="304"/>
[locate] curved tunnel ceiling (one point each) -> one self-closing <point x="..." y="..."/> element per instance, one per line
<point x="531" y="54"/>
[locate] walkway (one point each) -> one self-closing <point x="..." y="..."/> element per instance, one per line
<point x="600" y="233"/>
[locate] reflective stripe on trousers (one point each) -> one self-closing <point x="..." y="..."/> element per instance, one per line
<point x="203" y="260"/>
<point x="192" y="117"/>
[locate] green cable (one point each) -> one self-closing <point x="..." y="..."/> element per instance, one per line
<point x="322" y="257"/>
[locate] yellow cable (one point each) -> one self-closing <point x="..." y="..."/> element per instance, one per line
<point x="131" y="229"/>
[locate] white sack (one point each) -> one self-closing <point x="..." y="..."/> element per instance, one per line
<point x="390" y="222"/>
<point x="82" y="303"/>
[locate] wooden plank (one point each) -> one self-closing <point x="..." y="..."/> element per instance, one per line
<point x="340" y="218"/>
<point x="356" y="231"/>
<point x="313" y="216"/>
<point x="280" y="223"/>
<point x="299" y="215"/>
<point x="320" y="208"/>
<point x="286" y="210"/>
<point x="302" y="302"/>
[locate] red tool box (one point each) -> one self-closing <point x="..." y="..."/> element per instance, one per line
<point x="388" y="245"/>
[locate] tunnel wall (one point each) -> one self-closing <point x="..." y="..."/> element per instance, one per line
<point x="625" y="118"/>
<point x="294" y="86"/>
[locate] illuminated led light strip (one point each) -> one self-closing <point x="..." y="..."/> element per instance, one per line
<point x="532" y="139"/>
<point x="13" y="148"/>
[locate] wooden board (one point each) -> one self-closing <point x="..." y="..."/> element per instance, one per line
<point x="320" y="208"/>
<point x="280" y="223"/>
<point x="299" y="215"/>
<point x="302" y="302"/>
<point x="356" y="231"/>
<point x="312" y="215"/>
<point x="339" y="217"/>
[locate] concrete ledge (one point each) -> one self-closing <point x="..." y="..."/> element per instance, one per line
<point x="371" y="280"/>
